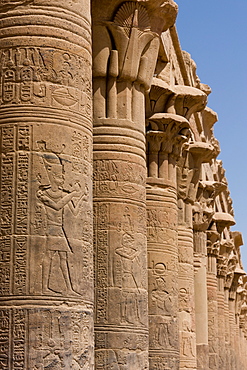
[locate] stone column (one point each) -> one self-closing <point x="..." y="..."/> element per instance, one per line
<point x="125" y="52"/>
<point x="202" y="215"/>
<point x="214" y="306"/>
<point x="201" y="304"/>
<point x="188" y="178"/>
<point x="243" y="323"/>
<point x="46" y="275"/>
<point x="221" y="275"/>
<point x="233" y="317"/>
<point x="165" y="135"/>
<point x="229" y="318"/>
<point x="205" y="274"/>
<point x="225" y="275"/>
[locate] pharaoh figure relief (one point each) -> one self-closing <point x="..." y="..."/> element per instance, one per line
<point x="54" y="199"/>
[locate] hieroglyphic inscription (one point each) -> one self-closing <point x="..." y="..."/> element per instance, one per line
<point x="21" y="219"/>
<point x="5" y="265"/>
<point x="4" y="339"/>
<point x="118" y="178"/>
<point x="81" y="153"/>
<point x="46" y="77"/>
<point x="7" y="171"/>
<point x="20" y="258"/>
<point x="6" y="209"/>
<point x="22" y="183"/>
<point x="12" y="339"/>
<point x="19" y="333"/>
<point x="102" y="261"/>
<point x="6" y="206"/>
<point x="60" y="339"/>
<point x="161" y="224"/>
<point x="101" y="359"/>
<point x="101" y="340"/>
<point x="164" y="363"/>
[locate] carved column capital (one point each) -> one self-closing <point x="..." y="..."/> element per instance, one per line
<point x="186" y="101"/>
<point x="203" y="209"/>
<point x="236" y="282"/>
<point x="223" y="220"/>
<point x="209" y="118"/>
<point x="213" y="245"/>
<point x="222" y="266"/>
<point x="157" y="98"/>
<point x="201" y="216"/>
<point x="166" y="134"/>
<point x="201" y="152"/>
<point x="175" y="129"/>
<point x="189" y="169"/>
<point x="154" y="140"/>
<point x="163" y="14"/>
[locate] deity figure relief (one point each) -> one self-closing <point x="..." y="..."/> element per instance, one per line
<point x="187" y="347"/>
<point x="54" y="199"/>
<point x="161" y="299"/>
<point x="129" y="259"/>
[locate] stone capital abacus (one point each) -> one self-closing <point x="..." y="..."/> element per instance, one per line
<point x="186" y="101"/>
<point x="222" y="220"/>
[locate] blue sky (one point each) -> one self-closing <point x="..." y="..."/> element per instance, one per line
<point x="214" y="32"/>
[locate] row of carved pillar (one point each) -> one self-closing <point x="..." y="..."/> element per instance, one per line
<point x="162" y="286"/>
<point x="169" y="312"/>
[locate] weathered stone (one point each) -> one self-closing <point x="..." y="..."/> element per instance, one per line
<point x="46" y="198"/>
<point x="167" y="290"/>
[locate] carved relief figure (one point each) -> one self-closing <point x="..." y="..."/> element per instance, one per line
<point x="130" y="290"/>
<point x="162" y="334"/>
<point x="54" y="199"/>
<point x="187" y="345"/>
<point x="160" y="297"/>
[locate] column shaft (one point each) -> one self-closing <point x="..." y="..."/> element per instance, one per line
<point x="46" y="201"/>
<point x="186" y="297"/>
<point x="201" y="304"/>
<point x="213" y="314"/>
<point x="221" y="322"/>
<point x="163" y="277"/>
<point x="120" y="245"/>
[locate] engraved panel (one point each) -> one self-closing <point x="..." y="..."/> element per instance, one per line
<point x="5" y="265"/>
<point x="7" y="180"/>
<point x="45" y="77"/>
<point x="128" y="351"/>
<point x="101" y="266"/>
<point x="119" y="179"/>
<point x="60" y="339"/>
<point x="20" y="265"/>
<point x="128" y="267"/>
<point x="22" y="206"/>
<point x="164" y="362"/>
<point x="19" y="339"/>
<point x="4" y="339"/>
<point x="62" y="216"/>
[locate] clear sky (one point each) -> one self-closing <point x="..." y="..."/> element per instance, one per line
<point x="214" y="32"/>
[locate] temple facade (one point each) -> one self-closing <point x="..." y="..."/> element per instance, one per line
<point x="116" y="248"/>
